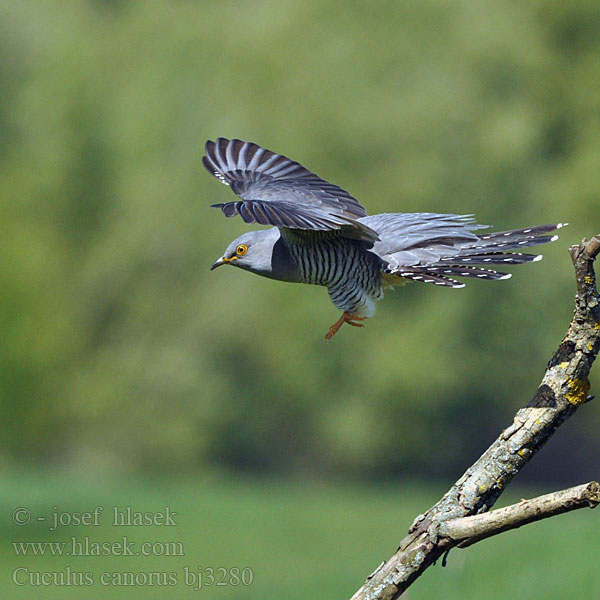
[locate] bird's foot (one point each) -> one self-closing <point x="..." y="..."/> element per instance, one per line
<point x="345" y="318"/>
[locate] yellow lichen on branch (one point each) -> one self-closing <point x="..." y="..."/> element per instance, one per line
<point x="578" y="391"/>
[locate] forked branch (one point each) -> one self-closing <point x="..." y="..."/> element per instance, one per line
<point x="468" y="530"/>
<point x="563" y="389"/>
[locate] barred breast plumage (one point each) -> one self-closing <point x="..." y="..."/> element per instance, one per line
<point x="351" y="274"/>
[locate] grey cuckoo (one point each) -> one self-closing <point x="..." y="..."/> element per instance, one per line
<point x="322" y="235"/>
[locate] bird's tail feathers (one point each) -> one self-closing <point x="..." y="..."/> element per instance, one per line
<point x="444" y="274"/>
<point x="488" y="249"/>
<point x="492" y="258"/>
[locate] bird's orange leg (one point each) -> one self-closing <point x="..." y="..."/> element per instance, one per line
<point x="345" y="318"/>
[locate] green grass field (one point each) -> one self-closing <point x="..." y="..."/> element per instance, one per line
<point x="295" y="541"/>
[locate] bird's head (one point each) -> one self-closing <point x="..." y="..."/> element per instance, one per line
<point x="253" y="251"/>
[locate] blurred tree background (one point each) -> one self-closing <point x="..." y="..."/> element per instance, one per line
<point x="121" y="352"/>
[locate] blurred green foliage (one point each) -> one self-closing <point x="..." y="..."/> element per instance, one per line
<point x="300" y="540"/>
<point x="121" y="351"/>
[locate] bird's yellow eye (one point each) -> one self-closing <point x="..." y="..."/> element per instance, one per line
<point x="241" y="250"/>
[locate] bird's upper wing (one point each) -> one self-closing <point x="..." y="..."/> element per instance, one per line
<point x="275" y="190"/>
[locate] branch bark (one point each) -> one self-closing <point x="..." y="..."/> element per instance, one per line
<point x="563" y="389"/>
<point x="469" y="530"/>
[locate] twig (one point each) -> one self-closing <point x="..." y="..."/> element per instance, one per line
<point x="564" y="388"/>
<point x="469" y="530"/>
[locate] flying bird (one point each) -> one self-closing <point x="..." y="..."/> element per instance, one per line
<point x="322" y="235"/>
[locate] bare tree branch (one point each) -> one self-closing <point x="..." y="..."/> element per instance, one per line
<point x="564" y="388"/>
<point x="469" y="530"/>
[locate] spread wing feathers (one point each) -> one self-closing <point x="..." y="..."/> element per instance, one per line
<point x="278" y="191"/>
<point x="436" y="248"/>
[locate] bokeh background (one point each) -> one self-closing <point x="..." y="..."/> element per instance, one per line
<point x="131" y="374"/>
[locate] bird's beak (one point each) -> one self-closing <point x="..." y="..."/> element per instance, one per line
<point x="222" y="261"/>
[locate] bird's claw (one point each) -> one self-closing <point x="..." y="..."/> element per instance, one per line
<point x="345" y="318"/>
